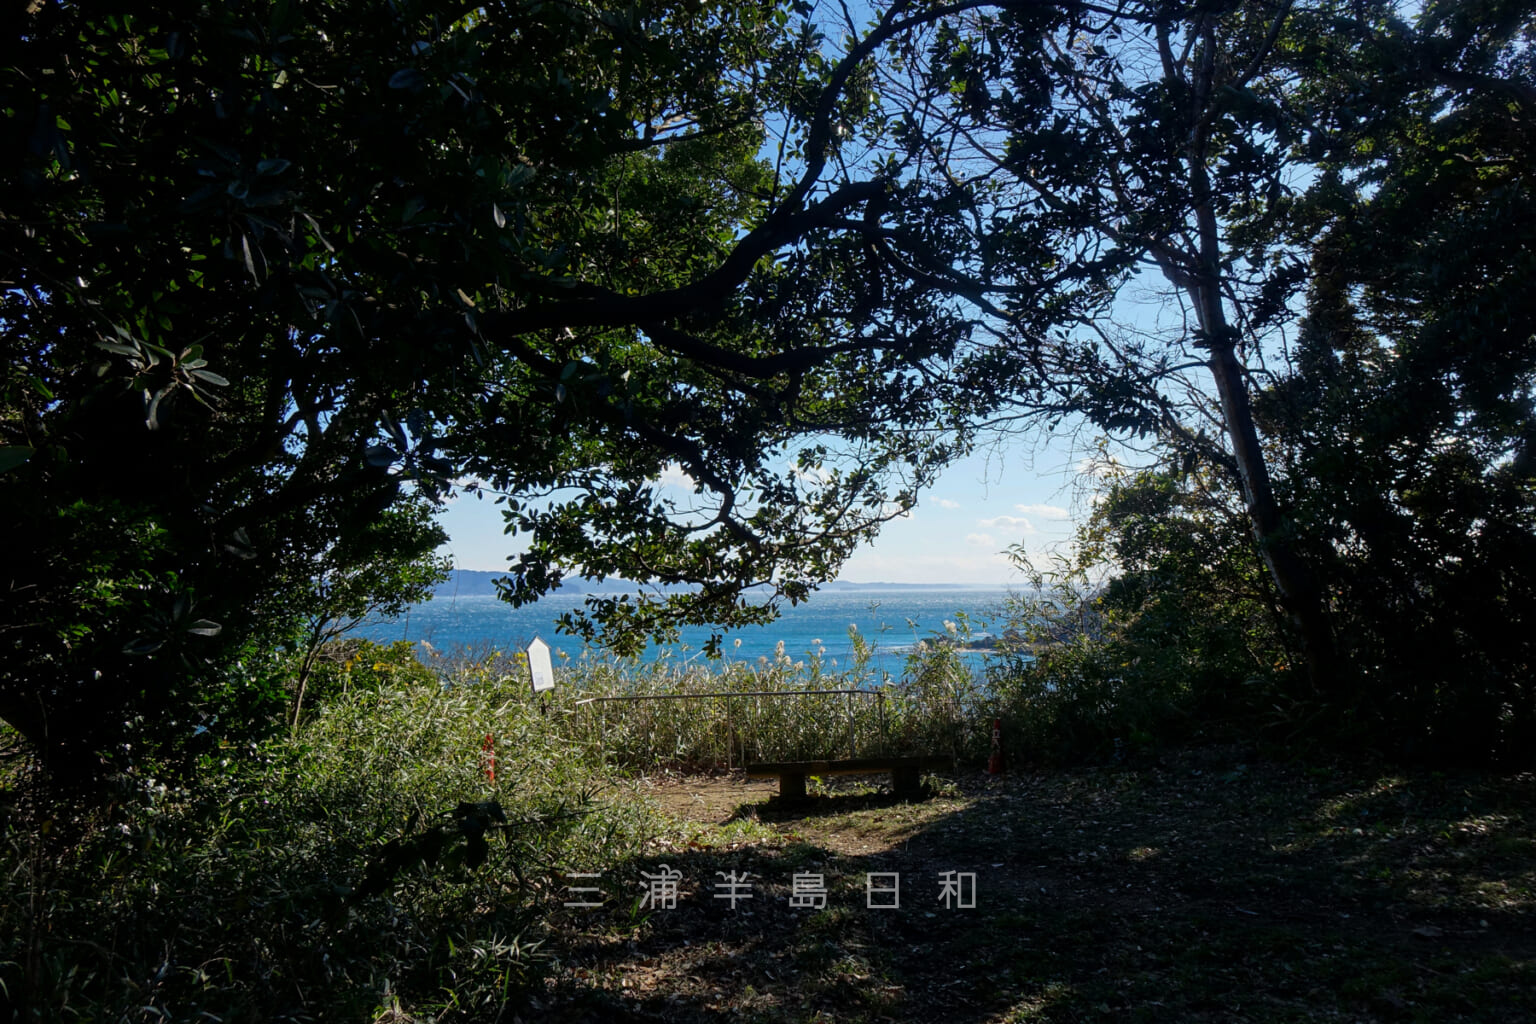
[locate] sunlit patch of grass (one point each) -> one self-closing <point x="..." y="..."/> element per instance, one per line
<point x="939" y="786"/>
<point x="1348" y="804"/>
<point x="742" y="831"/>
<point x="1035" y="1008"/>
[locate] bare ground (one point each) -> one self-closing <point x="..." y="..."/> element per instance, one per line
<point x="1203" y="886"/>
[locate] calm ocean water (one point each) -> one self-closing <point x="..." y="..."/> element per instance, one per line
<point x="890" y="620"/>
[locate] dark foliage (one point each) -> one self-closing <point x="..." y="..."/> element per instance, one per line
<point x="272" y="269"/>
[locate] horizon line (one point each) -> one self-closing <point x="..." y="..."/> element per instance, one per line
<point x="846" y="583"/>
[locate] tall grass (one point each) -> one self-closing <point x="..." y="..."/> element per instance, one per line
<point x="664" y="714"/>
<point x="331" y="875"/>
<point x="236" y="898"/>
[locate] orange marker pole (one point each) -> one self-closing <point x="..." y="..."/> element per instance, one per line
<point x="488" y="756"/>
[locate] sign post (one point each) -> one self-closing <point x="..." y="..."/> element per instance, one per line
<point x="540" y="670"/>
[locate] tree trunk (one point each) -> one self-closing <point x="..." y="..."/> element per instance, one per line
<point x="1297" y="587"/>
<point x="311" y="652"/>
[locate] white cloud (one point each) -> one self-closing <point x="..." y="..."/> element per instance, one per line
<point x="980" y="540"/>
<point x="1008" y="523"/>
<point x="946" y="503"/>
<point x="1044" y="511"/>
<point x="1102" y="468"/>
<point x="673" y="476"/>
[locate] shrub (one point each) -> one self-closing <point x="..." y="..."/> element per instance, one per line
<point x="240" y="897"/>
<point x="1160" y="623"/>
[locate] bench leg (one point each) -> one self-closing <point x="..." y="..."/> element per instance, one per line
<point x="792" y="786"/>
<point x="906" y="781"/>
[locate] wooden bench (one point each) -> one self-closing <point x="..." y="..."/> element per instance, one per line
<point x="905" y="772"/>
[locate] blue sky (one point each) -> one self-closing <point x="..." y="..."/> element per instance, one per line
<point x="979" y="507"/>
<point x="1032" y="491"/>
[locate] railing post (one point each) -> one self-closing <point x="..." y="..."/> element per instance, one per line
<point x="885" y="742"/>
<point x="848" y="703"/>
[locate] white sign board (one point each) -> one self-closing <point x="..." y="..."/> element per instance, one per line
<point x="539" y="668"/>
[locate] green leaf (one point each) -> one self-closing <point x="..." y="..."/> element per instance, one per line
<point x="12" y="456"/>
<point x="381" y="455"/>
<point x="393" y="426"/>
<point x="240" y="545"/>
<point x="250" y="262"/>
<point x="122" y="350"/>
<point x="406" y="78"/>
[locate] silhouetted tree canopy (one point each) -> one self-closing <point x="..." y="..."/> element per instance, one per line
<point x="272" y="270"/>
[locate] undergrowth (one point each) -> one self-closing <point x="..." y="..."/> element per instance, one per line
<point x="374" y="864"/>
<point x="290" y="882"/>
<point x="667" y="714"/>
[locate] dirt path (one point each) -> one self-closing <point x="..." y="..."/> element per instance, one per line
<point x="706" y="799"/>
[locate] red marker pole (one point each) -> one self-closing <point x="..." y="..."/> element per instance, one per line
<point x="995" y="762"/>
<point x="488" y="756"/>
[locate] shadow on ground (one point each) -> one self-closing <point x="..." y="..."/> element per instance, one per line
<point x="1204" y="887"/>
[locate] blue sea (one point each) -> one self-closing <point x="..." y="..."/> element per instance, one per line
<point x="891" y="620"/>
